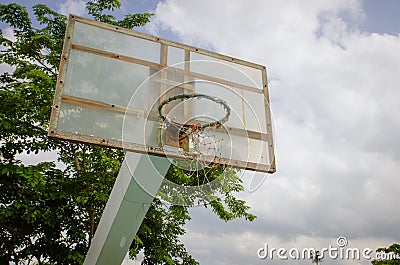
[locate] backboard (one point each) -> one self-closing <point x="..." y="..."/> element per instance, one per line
<point x="125" y="89"/>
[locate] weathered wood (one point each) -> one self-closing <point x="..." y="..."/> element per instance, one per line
<point x="157" y="151"/>
<point x="167" y="42"/>
<point x="269" y="121"/>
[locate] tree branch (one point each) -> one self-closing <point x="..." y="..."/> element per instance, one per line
<point x="76" y="161"/>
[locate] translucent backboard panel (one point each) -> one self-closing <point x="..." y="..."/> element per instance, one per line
<point x="114" y="79"/>
<point x="125" y="89"/>
<point x="116" y="42"/>
<point x="175" y="57"/>
<point x="249" y="76"/>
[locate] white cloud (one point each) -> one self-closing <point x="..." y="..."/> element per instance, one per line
<point x="6" y="68"/>
<point x="334" y="92"/>
<point x="76" y="7"/>
<point x="240" y="247"/>
<point x="8" y="33"/>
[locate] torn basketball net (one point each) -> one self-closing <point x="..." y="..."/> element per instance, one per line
<point x="196" y="138"/>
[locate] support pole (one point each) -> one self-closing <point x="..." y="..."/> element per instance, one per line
<point x="138" y="181"/>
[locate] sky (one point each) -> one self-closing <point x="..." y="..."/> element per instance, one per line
<point x="333" y="68"/>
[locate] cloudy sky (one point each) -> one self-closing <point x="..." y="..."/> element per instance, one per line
<point x="334" y="75"/>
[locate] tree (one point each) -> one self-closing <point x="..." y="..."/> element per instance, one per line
<point x="316" y="258"/>
<point x="390" y="255"/>
<point x="49" y="215"/>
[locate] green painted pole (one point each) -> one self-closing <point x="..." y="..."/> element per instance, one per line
<point x="138" y="181"/>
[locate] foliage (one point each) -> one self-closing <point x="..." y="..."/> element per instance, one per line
<point x="49" y="215"/>
<point x="222" y="183"/>
<point x="97" y="8"/>
<point x="394" y="250"/>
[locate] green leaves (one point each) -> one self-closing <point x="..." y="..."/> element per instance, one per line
<point x="159" y="234"/>
<point x="391" y="251"/>
<point x="34" y="213"/>
<point x="134" y="20"/>
<point x="16" y="16"/>
<point x="27" y="92"/>
<point x="99" y="6"/>
<point x="33" y="176"/>
<point x="97" y="9"/>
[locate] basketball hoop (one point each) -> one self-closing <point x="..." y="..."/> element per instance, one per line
<point x="203" y="148"/>
<point x="195" y="125"/>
